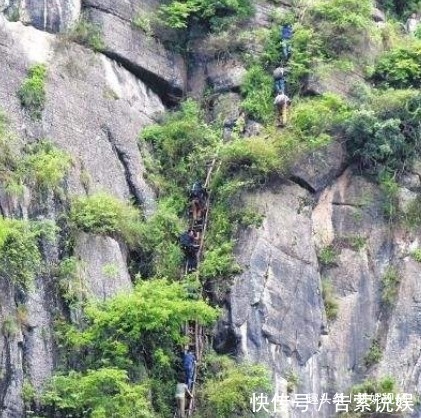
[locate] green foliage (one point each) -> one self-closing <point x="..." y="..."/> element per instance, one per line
<point x="228" y="386"/>
<point x="43" y="165"/>
<point x="159" y="237"/>
<point x="146" y="320"/>
<point x="371" y="387"/>
<point x="144" y="22"/>
<point x="70" y="280"/>
<point x="341" y="24"/>
<point x="416" y="255"/>
<point x="20" y="256"/>
<point x="315" y="116"/>
<point x="251" y="157"/>
<point x="400" y="67"/>
<point x="104" y="214"/>
<point x="387" y="139"/>
<point x="293" y="380"/>
<point x="179" y="13"/>
<point x="400" y="7"/>
<point x="330" y="302"/>
<point x="328" y="255"/>
<point x="106" y="392"/>
<point x="257" y="87"/>
<point x="390" y="286"/>
<point x="374" y="354"/>
<point x="182" y="146"/>
<point x="32" y="91"/>
<point x="356" y="242"/>
<point x="412" y="213"/>
<point x="87" y="34"/>
<point x="390" y="188"/>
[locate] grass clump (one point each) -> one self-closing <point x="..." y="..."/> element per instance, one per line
<point x="416" y="255"/>
<point x="374" y="354"/>
<point x="32" y="91"/>
<point x="328" y="255"/>
<point x="330" y="302"/>
<point x="390" y="286"/>
<point x="412" y="215"/>
<point x="87" y="34"/>
<point x="43" y="165"/>
<point x="104" y="214"/>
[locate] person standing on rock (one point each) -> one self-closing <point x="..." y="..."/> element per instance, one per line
<point x="189" y="365"/>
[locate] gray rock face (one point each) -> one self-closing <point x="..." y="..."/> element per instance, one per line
<point x="276" y="309"/>
<point x="48" y="15"/>
<point x="317" y="170"/>
<point x="104" y="266"/>
<point x="143" y="55"/>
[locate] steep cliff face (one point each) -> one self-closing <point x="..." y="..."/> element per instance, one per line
<point x="96" y="105"/>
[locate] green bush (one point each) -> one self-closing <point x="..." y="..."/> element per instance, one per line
<point x="87" y="34"/>
<point x="341" y="24"/>
<point x="390" y="286"/>
<point x="43" y="165"/>
<point x="179" y="13"/>
<point x="150" y="318"/>
<point x="228" y="387"/>
<point x="416" y="255"/>
<point x="106" y="392"/>
<point x="104" y="214"/>
<point x="412" y="214"/>
<point x="388" y="139"/>
<point x="20" y="255"/>
<point x="257" y="88"/>
<point x="374" y="354"/>
<point x="183" y="144"/>
<point x="400" y="68"/>
<point x="328" y="255"/>
<point x="330" y="302"/>
<point x="400" y="7"/>
<point x="315" y="116"/>
<point x="32" y="90"/>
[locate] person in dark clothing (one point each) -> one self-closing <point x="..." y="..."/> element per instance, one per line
<point x="189" y="365"/>
<point x="286" y="33"/>
<point x="190" y="247"/>
<point x="198" y="196"/>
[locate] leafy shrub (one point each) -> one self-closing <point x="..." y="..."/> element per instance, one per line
<point x="44" y="165"/>
<point x="106" y="392"/>
<point x="257" y="88"/>
<point x="342" y="24"/>
<point x="330" y="302"/>
<point x="32" y="91"/>
<point x="228" y="386"/>
<point x="255" y="157"/>
<point x="20" y="256"/>
<point x="328" y="255"/>
<point x="104" y="214"/>
<point x="379" y="140"/>
<point x="400" y="68"/>
<point x="400" y="7"/>
<point x="87" y="34"/>
<point x="151" y="317"/>
<point x="374" y="354"/>
<point x="315" y="116"/>
<point x="183" y="143"/>
<point x="416" y="255"/>
<point x="413" y="213"/>
<point x="390" y="285"/>
<point x="178" y="13"/>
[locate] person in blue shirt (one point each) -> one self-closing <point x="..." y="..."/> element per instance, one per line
<point x="280" y="80"/>
<point x="286" y="33"/>
<point x="189" y="364"/>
